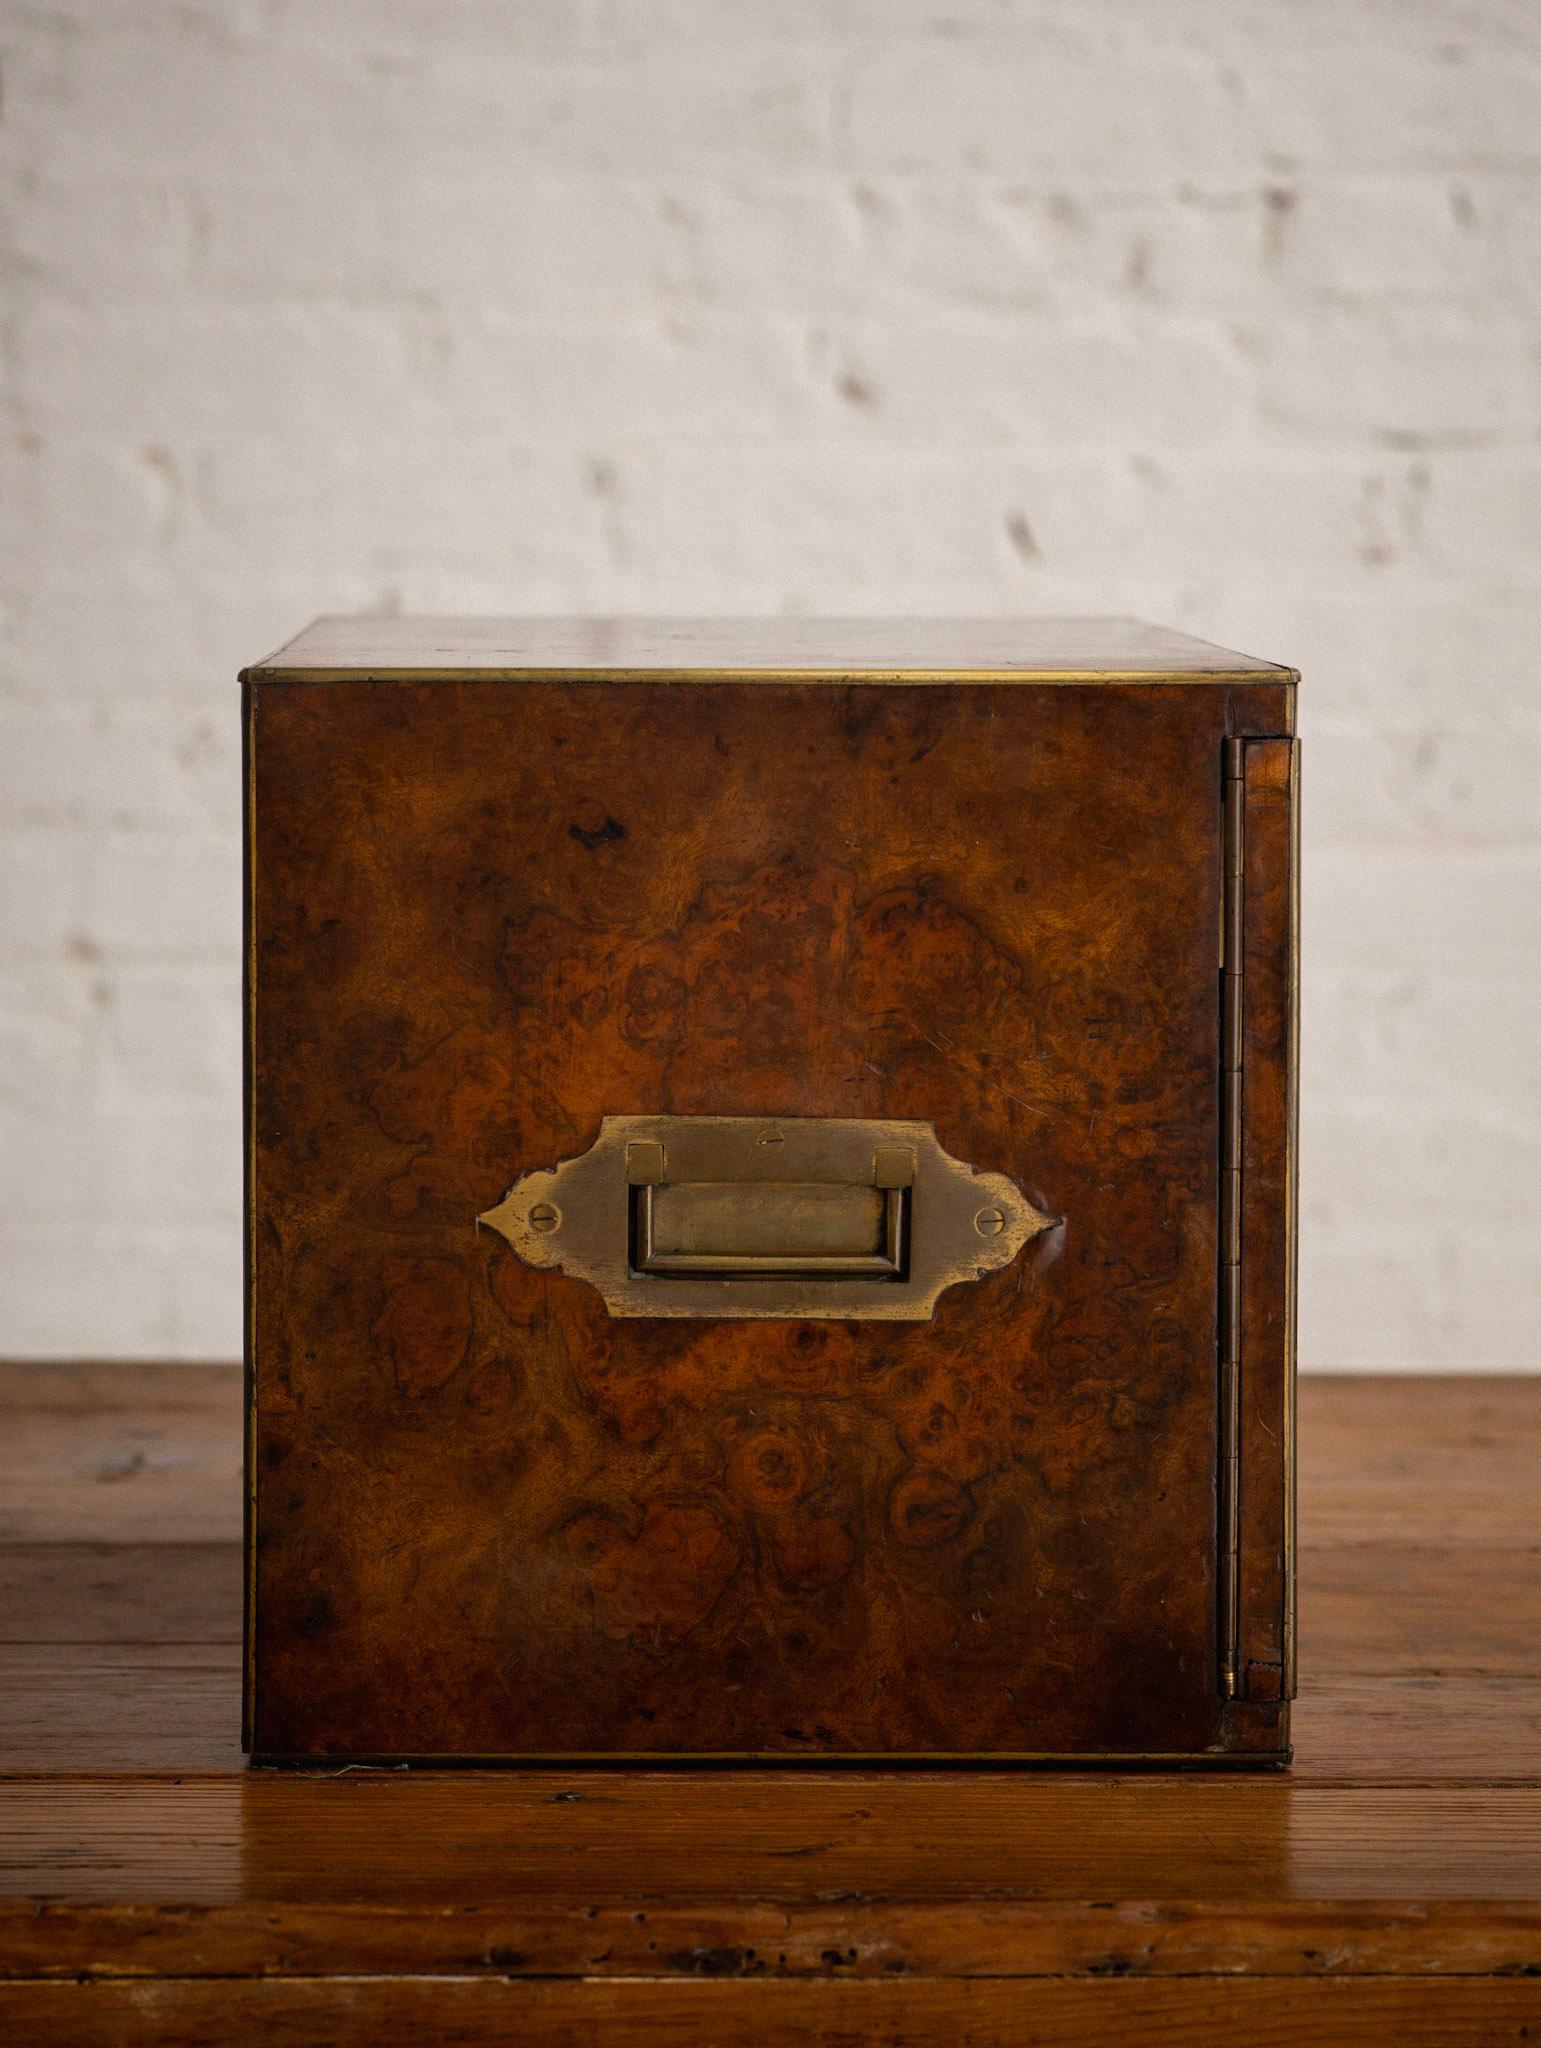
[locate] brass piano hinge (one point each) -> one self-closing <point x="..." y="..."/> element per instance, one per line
<point x="1231" y="1082"/>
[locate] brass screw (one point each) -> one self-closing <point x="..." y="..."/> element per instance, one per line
<point x="990" y="1222"/>
<point x="544" y="1216"/>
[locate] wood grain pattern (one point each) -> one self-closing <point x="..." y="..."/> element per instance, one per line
<point x="91" y="1453"/>
<point x="1458" y="1728"/>
<point x="137" y="1707"/>
<point x="177" y="1709"/>
<point x="1388" y="1889"/>
<point x="667" y="1938"/>
<point x="1209" y="2013"/>
<point x="174" y="1707"/>
<point x="120" y="1593"/>
<point x="490" y="1520"/>
<point x="460" y="1837"/>
<point x="1421" y="1611"/>
<point x="1389" y="1459"/>
<point x="1400" y="1458"/>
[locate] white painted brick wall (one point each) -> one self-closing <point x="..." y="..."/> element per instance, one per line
<point x="1224" y="313"/>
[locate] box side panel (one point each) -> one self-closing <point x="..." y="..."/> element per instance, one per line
<point x="1267" y="1364"/>
<point x="492" y="1520"/>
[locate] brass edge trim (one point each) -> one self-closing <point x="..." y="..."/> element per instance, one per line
<point x="428" y="672"/>
<point x="1292" y="1237"/>
<point x="249" y="1242"/>
<point x="777" y="1759"/>
<point x="1228" y="1317"/>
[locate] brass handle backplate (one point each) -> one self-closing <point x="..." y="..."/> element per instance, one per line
<point x="743" y="1216"/>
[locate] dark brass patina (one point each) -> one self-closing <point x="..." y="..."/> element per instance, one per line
<point x="742" y="1216"/>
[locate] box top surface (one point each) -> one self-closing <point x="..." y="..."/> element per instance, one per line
<point x="920" y="650"/>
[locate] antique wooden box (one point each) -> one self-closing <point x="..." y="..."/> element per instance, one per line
<point x="771" y="1218"/>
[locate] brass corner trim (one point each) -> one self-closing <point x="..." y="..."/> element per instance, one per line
<point x="754" y="1217"/>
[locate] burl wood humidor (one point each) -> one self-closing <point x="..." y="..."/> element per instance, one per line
<point x="770" y="1192"/>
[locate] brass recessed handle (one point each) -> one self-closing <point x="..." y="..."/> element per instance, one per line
<point x="739" y="1216"/>
<point x="750" y="1230"/>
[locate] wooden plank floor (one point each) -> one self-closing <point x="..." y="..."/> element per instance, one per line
<point x="151" y="1890"/>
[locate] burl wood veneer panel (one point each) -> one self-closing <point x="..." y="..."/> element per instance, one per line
<point x="492" y="1520"/>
